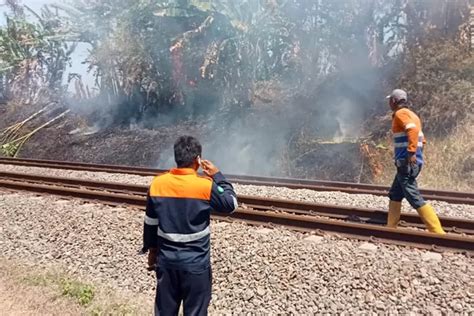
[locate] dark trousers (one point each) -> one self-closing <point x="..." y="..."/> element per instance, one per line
<point x="405" y="186"/>
<point x="176" y="286"/>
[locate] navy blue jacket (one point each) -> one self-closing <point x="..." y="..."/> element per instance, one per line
<point x="177" y="218"/>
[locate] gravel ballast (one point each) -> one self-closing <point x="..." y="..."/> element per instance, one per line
<point x="335" y="198"/>
<point x="256" y="270"/>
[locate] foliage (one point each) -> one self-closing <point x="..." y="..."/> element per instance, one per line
<point x="199" y="57"/>
<point x="441" y="85"/>
<point x="83" y="293"/>
<point x="33" y="55"/>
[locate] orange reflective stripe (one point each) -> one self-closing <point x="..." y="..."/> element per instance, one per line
<point x="187" y="186"/>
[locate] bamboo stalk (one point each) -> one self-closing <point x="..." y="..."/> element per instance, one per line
<point x="12" y="148"/>
<point x="10" y="132"/>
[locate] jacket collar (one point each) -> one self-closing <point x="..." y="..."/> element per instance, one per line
<point x="183" y="171"/>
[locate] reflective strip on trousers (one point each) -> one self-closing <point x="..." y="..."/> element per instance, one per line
<point x="184" y="237"/>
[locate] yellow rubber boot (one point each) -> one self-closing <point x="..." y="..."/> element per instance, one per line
<point x="394" y="210"/>
<point x="431" y="220"/>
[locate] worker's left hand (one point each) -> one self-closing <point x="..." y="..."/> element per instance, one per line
<point x="152" y="259"/>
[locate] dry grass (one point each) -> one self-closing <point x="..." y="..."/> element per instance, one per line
<point x="439" y="78"/>
<point x="27" y="290"/>
<point x="24" y="294"/>
<point x="449" y="161"/>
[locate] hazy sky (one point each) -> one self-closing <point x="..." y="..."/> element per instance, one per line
<point x="34" y="4"/>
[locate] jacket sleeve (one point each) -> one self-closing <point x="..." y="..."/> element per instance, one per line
<point x="150" y="226"/>
<point x="411" y="129"/>
<point x="223" y="197"/>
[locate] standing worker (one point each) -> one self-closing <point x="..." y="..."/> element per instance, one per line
<point x="408" y="140"/>
<point x="176" y="230"/>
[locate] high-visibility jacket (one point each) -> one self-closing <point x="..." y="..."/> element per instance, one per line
<point x="407" y="135"/>
<point x="177" y="217"/>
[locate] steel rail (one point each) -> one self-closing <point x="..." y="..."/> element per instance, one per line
<point x="400" y="236"/>
<point x="355" y="214"/>
<point x="317" y="185"/>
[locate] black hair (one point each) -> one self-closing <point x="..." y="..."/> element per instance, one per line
<point x="401" y="101"/>
<point x="186" y="149"/>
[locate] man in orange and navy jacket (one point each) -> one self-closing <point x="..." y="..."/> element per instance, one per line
<point x="408" y="140"/>
<point x="176" y="230"/>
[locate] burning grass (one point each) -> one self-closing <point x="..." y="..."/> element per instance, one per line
<point x="449" y="161"/>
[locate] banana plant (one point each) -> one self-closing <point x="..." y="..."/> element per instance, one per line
<point x="34" y="53"/>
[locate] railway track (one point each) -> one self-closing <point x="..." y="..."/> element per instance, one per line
<point x="355" y="188"/>
<point x="347" y="221"/>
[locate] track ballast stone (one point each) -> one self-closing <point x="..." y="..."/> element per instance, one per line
<point x="335" y="198"/>
<point x="256" y="270"/>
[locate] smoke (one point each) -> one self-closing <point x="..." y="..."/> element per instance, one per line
<point x="247" y="145"/>
<point x="261" y="78"/>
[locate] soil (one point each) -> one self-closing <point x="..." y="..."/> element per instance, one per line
<point x="73" y="140"/>
<point x="244" y="150"/>
<point x="325" y="161"/>
<point x="110" y="146"/>
<point x="27" y="288"/>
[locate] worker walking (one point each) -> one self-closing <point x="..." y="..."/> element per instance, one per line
<point x="176" y="230"/>
<point x="408" y="140"/>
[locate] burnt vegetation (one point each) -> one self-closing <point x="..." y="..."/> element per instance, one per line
<point x="317" y="69"/>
